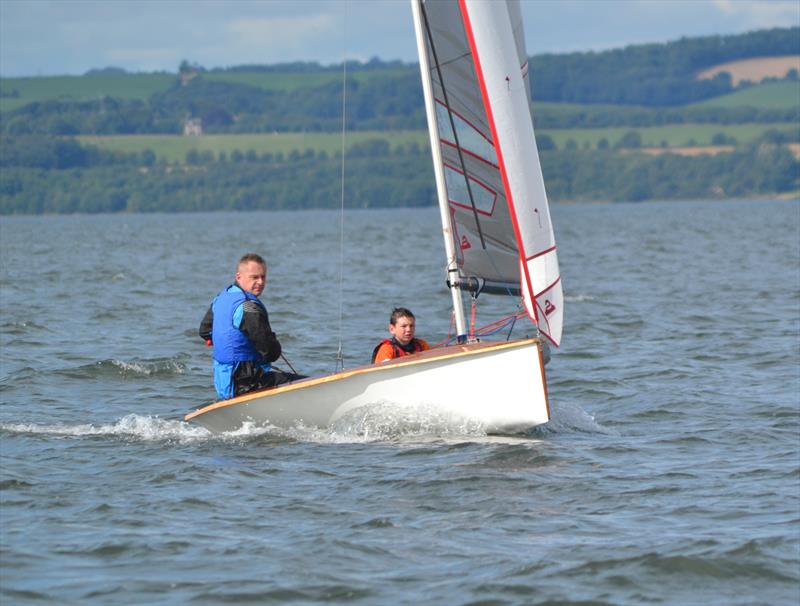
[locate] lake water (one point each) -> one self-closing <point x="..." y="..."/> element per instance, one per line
<point x="670" y="473"/>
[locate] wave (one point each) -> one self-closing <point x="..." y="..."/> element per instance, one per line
<point x="579" y="298"/>
<point x="570" y="417"/>
<point x="131" y="427"/>
<point x="361" y="428"/>
<point x="366" y="425"/>
<point x="23" y="328"/>
<point x="385" y="421"/>
<point x="382" y="422"/>
<point x="158" y="367"/>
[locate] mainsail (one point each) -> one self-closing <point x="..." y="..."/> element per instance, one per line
<point x="486" y="160"/>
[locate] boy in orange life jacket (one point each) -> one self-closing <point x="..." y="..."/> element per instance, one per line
<point x="402" y="325"/>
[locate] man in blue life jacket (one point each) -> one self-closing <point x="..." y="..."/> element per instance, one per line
<point x="237" y="325"/>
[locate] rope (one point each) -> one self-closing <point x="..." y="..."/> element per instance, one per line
<point x="472" y="318"/>
<point x="339" y="354"/>
<point x="289" y="364"/>
<point x="519" y="314"/>
<point x="489" y="329"/>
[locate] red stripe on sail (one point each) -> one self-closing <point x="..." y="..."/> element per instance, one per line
<point x="467" y="122"/>
<point x="469" y="153"/>
<point x="539" y="254"/>
<point x="477" y="182"/>
<point x="502" y="166"/>
<point x="544" y="290"/>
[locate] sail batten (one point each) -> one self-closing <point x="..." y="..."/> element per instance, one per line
<point x="477" y="72"/>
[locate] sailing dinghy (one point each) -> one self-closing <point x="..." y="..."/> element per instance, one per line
<point x="498" y="240"/>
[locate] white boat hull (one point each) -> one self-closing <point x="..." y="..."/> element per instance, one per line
<point x="500" y="386"/>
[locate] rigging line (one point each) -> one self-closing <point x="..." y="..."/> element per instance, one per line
<point x="511" y="328"/>
<point x="458" y="58"/>
<point x="285" y="359"/>
<point x="339" y="354"/>
<point x="452" y="124"/>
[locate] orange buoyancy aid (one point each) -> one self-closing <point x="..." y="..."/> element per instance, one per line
<point x="415" y="346"/>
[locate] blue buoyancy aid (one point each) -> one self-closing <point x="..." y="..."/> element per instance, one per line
<point x="231" y="345"/>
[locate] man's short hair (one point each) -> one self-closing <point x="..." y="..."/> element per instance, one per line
<point x="247" y="258"/>
<point x="400" y="312"/>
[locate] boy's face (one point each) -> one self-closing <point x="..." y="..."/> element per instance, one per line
<point x="403" y="329"/>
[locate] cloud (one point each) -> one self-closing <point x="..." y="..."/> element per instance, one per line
<point x="278" y="38"/>
<point x="72" y="36"/>
<point x="758" y="14"/>
<point x="143" y="59"/>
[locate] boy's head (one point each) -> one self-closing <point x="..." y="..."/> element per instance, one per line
<point x="402" y="325"/>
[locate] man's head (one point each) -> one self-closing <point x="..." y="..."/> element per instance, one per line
<point x="402" y="325"/>
<point x="251" y="273"/>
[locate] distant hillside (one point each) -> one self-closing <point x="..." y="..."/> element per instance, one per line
<point x="755" y="70"/>
<point x="17" y="92"/>
<point x="637" y="86"/>
<point x="654" y="75"/>
<point x="175" y="149"/>
<point x="775" y="95"/>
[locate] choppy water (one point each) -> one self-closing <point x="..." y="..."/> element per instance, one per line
<point x="670" y="473"/>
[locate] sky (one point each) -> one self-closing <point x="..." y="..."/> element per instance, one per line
<point x="55" y="37"/>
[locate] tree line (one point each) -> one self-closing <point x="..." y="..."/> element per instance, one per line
<point x="66" y="177"/>
<point x="382" y="104"/>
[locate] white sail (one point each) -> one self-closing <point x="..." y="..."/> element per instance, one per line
<point x="495" y="196"/>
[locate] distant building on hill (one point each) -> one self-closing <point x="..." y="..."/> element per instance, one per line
<point x="193" y="127"/>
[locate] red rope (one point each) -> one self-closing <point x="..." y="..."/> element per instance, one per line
<point x="491" y="325"/>
<point x="472" y="320"/>
<point x="483" y="329"/>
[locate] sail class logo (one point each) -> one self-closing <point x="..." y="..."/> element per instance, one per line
<point x="465" y="243"/>
<point x="548" y="307"/>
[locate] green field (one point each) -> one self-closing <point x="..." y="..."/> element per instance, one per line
<point x="81" y="88"/>
<point x="173" y="148"/>
<point x="572" y="108"/>
<point x="292" y="80"/>
<point x="778" y="95"/>
<point x="141" y="86"/>
<point x="772" y="95"/>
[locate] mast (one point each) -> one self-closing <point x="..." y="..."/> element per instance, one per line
<point x="441" y="190"/>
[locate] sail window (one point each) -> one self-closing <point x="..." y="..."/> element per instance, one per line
<point x="458" y="194"/>
<point x="469" y="137"/>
